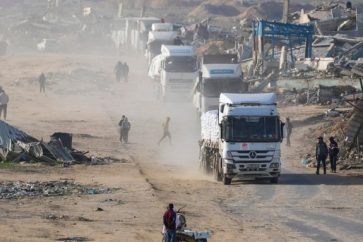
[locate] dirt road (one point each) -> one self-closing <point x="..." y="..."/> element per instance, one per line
<point x="302" y="207"/>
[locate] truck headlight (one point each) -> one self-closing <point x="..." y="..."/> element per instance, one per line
<point x="228" y="161"/>
<point x="274" y="165"/>
<point x="230" y="166"/>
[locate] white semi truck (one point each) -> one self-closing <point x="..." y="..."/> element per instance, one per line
<point x="219" y="73"/>
<point x="178" y="68"/>
<point x="160" y="34"/>
<point x="242" y="138"/>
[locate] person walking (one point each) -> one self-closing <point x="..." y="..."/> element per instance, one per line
<point x="169" y="221"/>
<point x="42" y="80"/>
<point x="4" y="100"/>
<point x="289" y="127"/>
<point x="333" y="154"/>
<point x="321" y="154"/>
<point x="125" y="127"/>
<point x="120" y="125"/>
<point x="126" y="70"/>
<point x="118" y="70"/>
<point x="166" y="131"/>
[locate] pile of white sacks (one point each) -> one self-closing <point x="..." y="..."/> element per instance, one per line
<point x="209" y="126"/>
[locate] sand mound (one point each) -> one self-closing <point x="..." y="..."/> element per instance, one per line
<point x="208" y="9"/>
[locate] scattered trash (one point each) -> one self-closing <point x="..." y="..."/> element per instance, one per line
<point x="70" y="239"/>
<point x="20" y="189"/>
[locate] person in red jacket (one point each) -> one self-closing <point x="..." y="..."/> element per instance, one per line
<point x="169" y="220"/>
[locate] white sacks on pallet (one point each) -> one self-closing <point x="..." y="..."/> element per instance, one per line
<point x="209" y="126"/>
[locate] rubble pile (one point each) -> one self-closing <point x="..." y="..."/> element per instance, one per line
<point x="209" y="9"/>
<point x="214" y="48"/>
<point x="321" y="94"/>
<point x="20" y="189"/>
<point x="347" y="130"/>
<point x="17" y="146"/>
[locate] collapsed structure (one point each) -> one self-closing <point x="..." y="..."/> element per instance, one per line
<point x="16" y="145"/>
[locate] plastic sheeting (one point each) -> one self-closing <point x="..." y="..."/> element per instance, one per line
<point x="10" y="134"/>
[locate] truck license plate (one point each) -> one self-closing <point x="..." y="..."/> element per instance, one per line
<point x="253" y="166"/>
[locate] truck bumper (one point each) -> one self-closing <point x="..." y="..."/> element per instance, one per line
<point x="250" y="174"/>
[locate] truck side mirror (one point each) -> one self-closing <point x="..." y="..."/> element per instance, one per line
<point x="221" y="108"/>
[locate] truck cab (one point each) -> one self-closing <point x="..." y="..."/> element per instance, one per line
<point x="160" y="34"/>
<point x="178" y="71"/>
<point x="250" y="137"/>
<point x="219" y="73"/>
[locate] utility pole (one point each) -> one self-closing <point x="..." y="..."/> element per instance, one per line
<point x="285" y="13"/>
<point x="120" y="6"/>
<point x="142" y="12"/>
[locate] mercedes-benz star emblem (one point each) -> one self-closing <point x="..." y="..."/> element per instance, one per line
<point x="253" y="154"/>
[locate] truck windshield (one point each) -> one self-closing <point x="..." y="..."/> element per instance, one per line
<point x="214" y="87"/>
<point x="251" y="129"/>
<point x="181" y="64"/>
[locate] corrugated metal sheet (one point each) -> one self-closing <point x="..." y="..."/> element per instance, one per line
<point x="57" y="151"/>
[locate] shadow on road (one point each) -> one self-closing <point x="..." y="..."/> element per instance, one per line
<point x="313" y="179"/>
<point x="308" y="179"/>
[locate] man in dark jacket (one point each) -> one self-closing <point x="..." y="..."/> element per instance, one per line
<point x="4" y="100"/>
<point x="321" y="154"/>
<point x="125" y="128"/>
<point x="169" y="220"/>
<point x="42" y="81"/>
<point x="126" y="71"/>
<point x="333" y="154"/>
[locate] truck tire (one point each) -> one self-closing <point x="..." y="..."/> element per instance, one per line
<point x="226" y="180"/>
<point x="216" y="174"/>
<point x="275" y="180"/>
<point x="203" y="164"/>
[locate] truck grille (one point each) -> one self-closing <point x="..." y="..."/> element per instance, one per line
<point x="253" y="156"/>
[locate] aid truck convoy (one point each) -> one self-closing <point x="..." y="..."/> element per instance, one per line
<point x="241" y="140"/>
<point x="177" y="69"/>
<point x="219" y="73"/>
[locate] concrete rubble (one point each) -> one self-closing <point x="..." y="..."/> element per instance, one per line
<point x="346" y="127"/>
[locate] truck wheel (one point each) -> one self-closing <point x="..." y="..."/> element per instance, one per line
<point x="275" y="180"/>
<point x="203" y="164"/>
<point x="216" y="174"/>
<point x="226" y="180"/>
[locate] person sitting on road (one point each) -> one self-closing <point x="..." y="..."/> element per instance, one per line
<point x="169" y="221"/>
